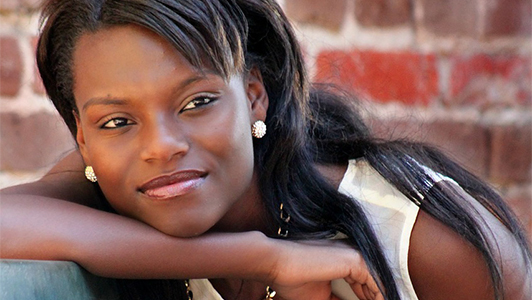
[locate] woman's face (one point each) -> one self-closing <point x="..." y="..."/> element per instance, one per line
<point x="170" y="146"/>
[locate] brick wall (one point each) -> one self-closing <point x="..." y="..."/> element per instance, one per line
<point x="449" y="72"/>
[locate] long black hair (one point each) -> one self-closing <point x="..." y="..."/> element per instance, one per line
<point x="233" y="36"/>
<point x="339" y="134"/>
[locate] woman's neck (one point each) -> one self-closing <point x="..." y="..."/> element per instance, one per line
<point x="252" y="215"/>
<point x="248" y="214"/>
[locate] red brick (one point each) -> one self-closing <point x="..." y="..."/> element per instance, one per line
<point x="383" y="13"/>
<point x="511" y="154"/>
<point x="450" y="17"/>
<point x="10" y="66"/>
<point x="37" y="84"/>
<point x="465" y="143"/>
<point x="32" y="142"/>
<point x="488" y="81"/>
<point x="509" y="17"/>
<point x="406" y="77"/>
<point x="520" y="200"/>
<point x="329" y="14"/>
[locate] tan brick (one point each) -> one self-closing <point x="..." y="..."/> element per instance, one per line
<point x="9" y="5"/>
<point x="20" y="5"/>
<point x="465" y="143"/>
<point x="10" y="66"/>
<point x="520" y="200"/>
<point x="37" y="84"/>
<point x="450" y="17"/>
<point x="511" y="154"/>
<point x="508" y="17"/>
<point x="329" y="14"/>
<point x="383" y="13"/>
<point x="32" y="142"/>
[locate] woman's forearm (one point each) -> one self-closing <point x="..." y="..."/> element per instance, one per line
<point x="109" y="245"/>
<point x="50" y="219"/>
<point x="34" y="227"/>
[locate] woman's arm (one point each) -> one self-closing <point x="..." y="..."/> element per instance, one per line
<point x="51" y="220"/>
<point x="65" y="181"/>
<point x="36" y="227"/>
<point x="457" y="269"/>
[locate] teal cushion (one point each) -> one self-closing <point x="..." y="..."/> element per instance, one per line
<point x="52" y="280"/>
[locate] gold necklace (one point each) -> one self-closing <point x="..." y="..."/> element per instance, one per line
<point x="190" y="295"/>
<point x="270" y="293"/>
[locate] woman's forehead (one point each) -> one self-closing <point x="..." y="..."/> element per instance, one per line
<point x="129" y="60"/>
<point x="130" y="44"/>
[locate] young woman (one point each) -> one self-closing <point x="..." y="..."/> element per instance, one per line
<point x="168" y="101"/>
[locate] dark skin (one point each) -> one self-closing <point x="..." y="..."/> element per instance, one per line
<point x="455" y="265"/>
<point x="72" y="231"/>
<point x="442" y="265"/>
<point x="167" y="141"/>
<point x="456" y="268"/>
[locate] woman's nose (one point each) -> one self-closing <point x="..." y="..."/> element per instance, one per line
<point x="163" y="140"/>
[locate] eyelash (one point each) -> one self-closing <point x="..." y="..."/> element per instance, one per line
<point x="195" y="103"/>
<point x="199" y="102"/>
<point x="123" y="121"/>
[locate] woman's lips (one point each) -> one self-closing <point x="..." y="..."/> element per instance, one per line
<point x="173" y="185"/>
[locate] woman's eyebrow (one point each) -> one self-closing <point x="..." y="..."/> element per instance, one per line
<point x="103" y="101"/>
<point x="117" y="101"/>
<point x="203" y="75"/>
<point x="187" y="82"/>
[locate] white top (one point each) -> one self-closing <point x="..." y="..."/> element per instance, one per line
<point x="391" y="215"/>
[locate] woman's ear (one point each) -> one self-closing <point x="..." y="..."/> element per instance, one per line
<point x="80" y="139"/>
<point x="257" y="95"/>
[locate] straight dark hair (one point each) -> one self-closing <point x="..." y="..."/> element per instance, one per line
<point x="233" y="36"/>
<point x="339" y="134"/>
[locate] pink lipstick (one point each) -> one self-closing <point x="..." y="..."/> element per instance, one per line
<point x="169" y="186"/>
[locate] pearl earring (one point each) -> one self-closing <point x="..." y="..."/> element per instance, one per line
<point x="258" y="130"/>
<point x="89" y="174"/>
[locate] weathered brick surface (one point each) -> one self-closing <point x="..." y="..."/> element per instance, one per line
<point x="329" y="14"/>
<point x="482" y="61"/>
<point x="407" y="77"/>
<point x="520" y="200"/>
<point x="508" y="17"/>
<point x="32" y="142"/>
<point x="37" y="84"/>
<point x="491" y="80"/>
<point x="450" y="17"/>
<point x="383" y="13"/>
<point x="465" y="143"/>
<point x="19" y="5"/>
<point x="511" y="154"/>
<point x="10" y="66"/>
<point x="8" y="5"/>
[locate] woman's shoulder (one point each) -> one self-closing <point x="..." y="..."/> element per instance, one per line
<point x="334" y="173"/>
<point x="443" y="265"/>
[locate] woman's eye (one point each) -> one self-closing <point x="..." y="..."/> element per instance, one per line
<point x="116" y="123"/>
<point x="200" y="101"/>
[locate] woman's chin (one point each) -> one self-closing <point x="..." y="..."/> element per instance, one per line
<point x="181" y="231"/>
